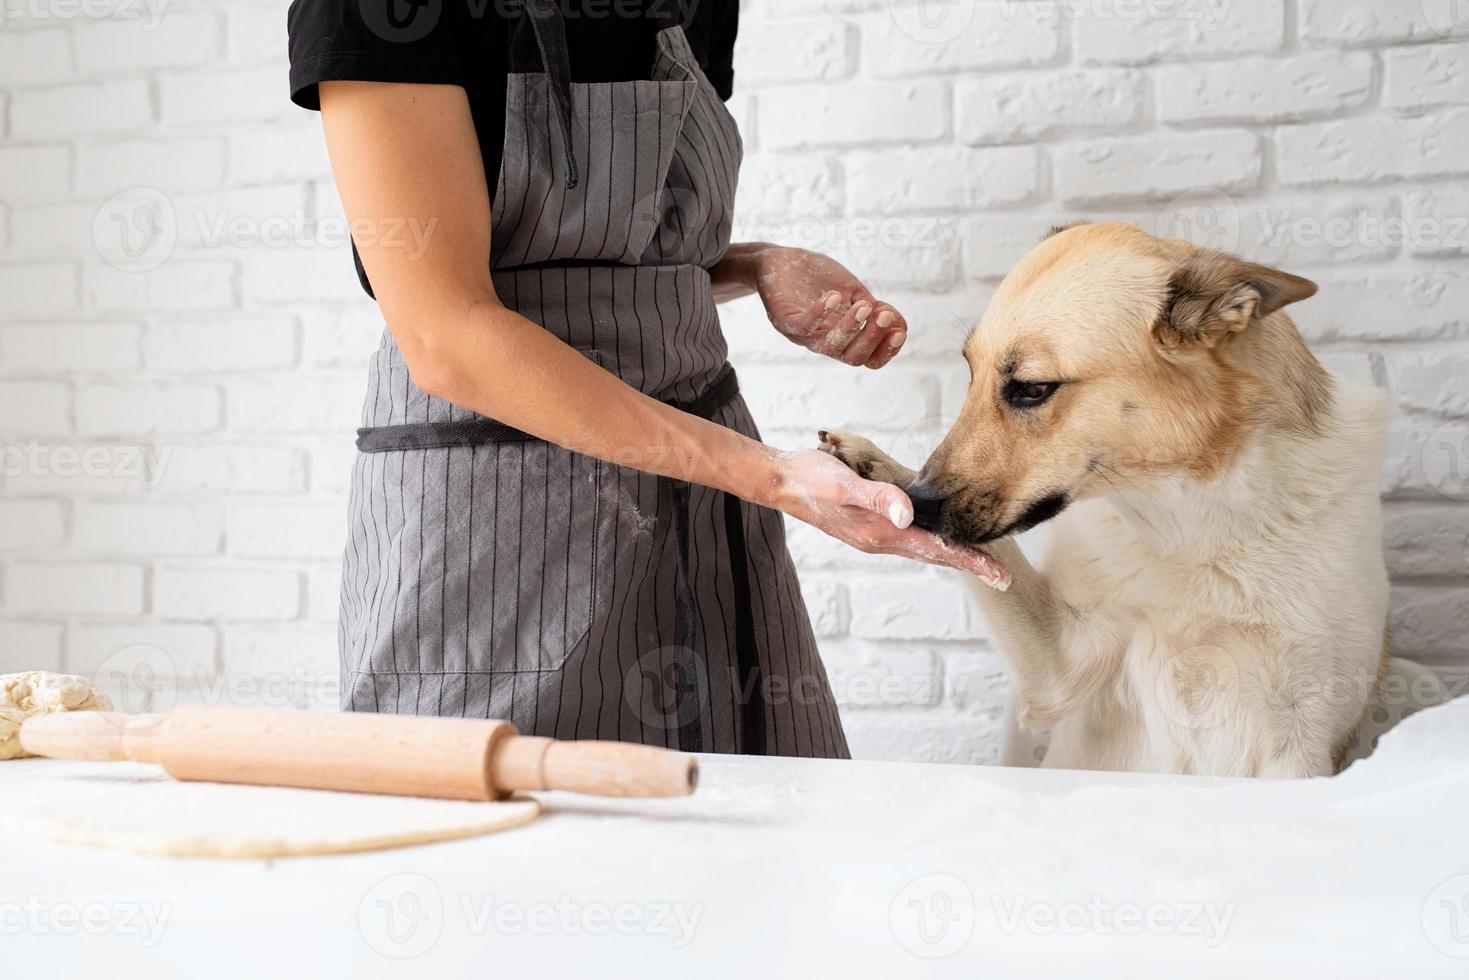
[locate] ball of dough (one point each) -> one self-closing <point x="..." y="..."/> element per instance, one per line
<point x="38" y="693"/>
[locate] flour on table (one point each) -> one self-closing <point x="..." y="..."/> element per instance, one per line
<point x="184" y="819"/>
<point x="36" y="692"/>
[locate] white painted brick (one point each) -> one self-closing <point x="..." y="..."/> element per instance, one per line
<point x="1375" y="21"/>
<point x="342" y="338"/>
<point x="1374" y="148"/>
<point x="866" y="112"/>
<point x="331" y="466"/>
<point x="179" y="285"/>
<point x="38" y="289"/>
<point x="36" y="408"/>
<point x="288" y="530"/>
<point x="941" y="178"/>
<point x="37" y="465"/>
<point x="148" y="529"/>
<point x="261" y="154"/>
<point x="1434" y="381"/>
<point x="865" y="399"/>
<point x="1434" y="74"/>
<point x="288" y="276"/>
<point x="34" y="172"/>
<point x="29" y="646"/>
<point x="1352" y="365"/>
<point x="203" y="593"/>
<point x="79" y="110"/>
<point x="255" y="34"/>
<point x="1265" y="89"/>
<point x="31" y="525"/>
<point x="932" y="608"/>
<point x="173" y="165"/>
<point x="47" y="348"/>
<point x="211" y="97"/>
<point x="923" y="734"/>
<point x="218" y="344"/>
<point x="1429" y="623"/>
<point x="1138" y="33"/>
<point x="893" y="252"/>
<point x="1020" y="108"/>
<point x="963" y="37"/>
<point x="778" y="53"/>
<point x="171" y="652"/>
<point x="826" y="603"/>
<point x="1427" y="458"/>
<point x="141" y="408"/>
<point x="93" y="588"/>
<point x="775" y="190"/>
<point x="1388" y="306"/>
<point x="50" y="231"/>
<point x="1291" y="233"/>
<point x="220" y="469"/>
<point x="269" y="216"/>
<point x="35" y="58"/>
<point x="1425" y="539"/>
<point x="1437" y="220"/>
<point x="285" y="656"/>
<point x="179" y="40"/>
<point x="992" y="245"/>
<point x="323" y="593"/>
<point x="1156" y="166"/>
<point x="332" y="402"/>
<point x="878" y="677"/>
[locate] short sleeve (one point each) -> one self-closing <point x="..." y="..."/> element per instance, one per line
<point x="371" y="41"/>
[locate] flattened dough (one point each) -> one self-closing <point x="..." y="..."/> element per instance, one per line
<point x="182" y="819"/>
<point x="36" y="692"/>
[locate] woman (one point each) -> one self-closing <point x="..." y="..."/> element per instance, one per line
<point x="562" y="514"/>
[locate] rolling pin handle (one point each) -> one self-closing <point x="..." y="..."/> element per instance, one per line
<point x="526" y="762"/>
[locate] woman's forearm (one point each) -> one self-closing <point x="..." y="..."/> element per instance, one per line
<point x="735" y="274"/>
<point x="496" y="362"/>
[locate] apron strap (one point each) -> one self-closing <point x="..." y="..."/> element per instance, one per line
<point x="546" y="46"/>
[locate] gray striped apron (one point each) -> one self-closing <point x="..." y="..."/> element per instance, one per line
<point x="490" y="574"/>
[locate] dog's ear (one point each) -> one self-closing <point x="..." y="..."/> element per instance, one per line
<point x="1213" y="295"/>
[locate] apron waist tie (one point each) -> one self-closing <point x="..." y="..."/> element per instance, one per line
<point x="687" y="670"/>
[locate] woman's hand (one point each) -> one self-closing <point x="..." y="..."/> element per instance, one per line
<point x="816" y="303"/>
<point x="873" y="517"/>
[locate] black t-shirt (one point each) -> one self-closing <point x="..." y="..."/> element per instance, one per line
<point x="467" y="43"/>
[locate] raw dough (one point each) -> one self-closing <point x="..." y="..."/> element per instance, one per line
<point x="38" y="693"/>
<point x="223" y="820"/>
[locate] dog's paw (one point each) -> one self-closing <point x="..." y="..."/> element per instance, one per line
<point x="861" y="456"/>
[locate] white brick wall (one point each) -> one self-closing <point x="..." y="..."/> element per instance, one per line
<point x="176" y="440"/>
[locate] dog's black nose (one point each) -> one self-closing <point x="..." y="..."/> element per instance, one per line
<point x="928" y="505"/>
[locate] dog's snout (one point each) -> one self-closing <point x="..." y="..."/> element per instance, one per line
<point x="928" y="505"/>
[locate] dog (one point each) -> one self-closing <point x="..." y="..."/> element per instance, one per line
<point x="1216" y="600"/>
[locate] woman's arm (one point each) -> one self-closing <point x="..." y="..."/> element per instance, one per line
<point x="407" y="154"/>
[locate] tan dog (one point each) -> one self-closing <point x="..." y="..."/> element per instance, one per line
<point x="1216" y="600"/>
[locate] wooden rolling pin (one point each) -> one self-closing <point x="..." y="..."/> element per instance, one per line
<point x="402" y="755"/>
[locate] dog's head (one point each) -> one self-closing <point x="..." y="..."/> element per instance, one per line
<point x="1109" y="358"/>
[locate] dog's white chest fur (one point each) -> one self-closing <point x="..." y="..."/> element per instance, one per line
<point x="1231" y="629"/>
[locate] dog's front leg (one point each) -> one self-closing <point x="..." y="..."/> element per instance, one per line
<point x="1058" y="652"/>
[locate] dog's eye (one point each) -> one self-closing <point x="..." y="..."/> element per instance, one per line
<point x="1029" y="394"/>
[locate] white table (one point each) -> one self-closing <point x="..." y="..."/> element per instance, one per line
<point x="782" y="868"/>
